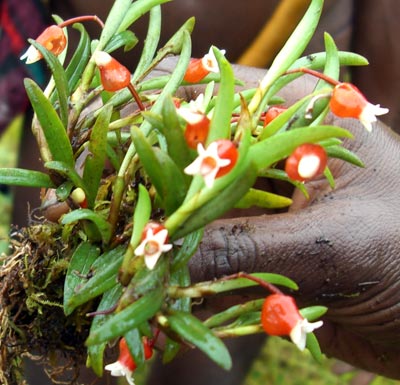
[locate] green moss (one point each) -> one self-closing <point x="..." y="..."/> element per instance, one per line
<point x="281" y="363"/>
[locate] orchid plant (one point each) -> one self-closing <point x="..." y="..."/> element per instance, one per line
<point x="126" y="195"/>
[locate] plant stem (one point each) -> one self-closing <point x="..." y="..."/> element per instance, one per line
<point x="82" y="18"/>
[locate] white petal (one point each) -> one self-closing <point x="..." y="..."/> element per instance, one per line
<point x="308" y="166"/>
<point x="189" y="115"/>
<point x="210" y="62"/>
<point x="369" y="114"/>
<point x="298" y="335"/>
<point x="151" y="260"/>
<point x="101" y="58"/>
<point x="31" y="55"/>
<point x="119" y="370"/>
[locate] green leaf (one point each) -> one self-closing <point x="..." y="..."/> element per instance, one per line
<point x="126" y="39"/>
<point x="104" y="270"/>
<point x="102" y="225"/>
<point x="140" y="218"/>
<point x="220" y="126"/>
<point x="150" y="43"/>
<point x="188" y="248"/>
<point x="192" y="330"/>
<point x="22" y="177"/>
<point x="264" y="199"/>
<point x="313" y="347"/>
<point x="113" y="23"/>
<point x="312" y="313"/>
<point x="162" y="171"/>
<point x="292" y="49"/>
<point x="60" y="80"/>
<point x="79" y="59"/>
<point x="94" y="163"/>
<point x="127" y="319"/>
<point x="79" y="266"/>
<point x="137" y="9"/>
<point x="96" y="352"/>
<point x="281" y="145"/>
<point x="135" y="345"/>
<point x="172" y="130"/>
<point x="53" y="129"/>
<point x="345" y="154"/>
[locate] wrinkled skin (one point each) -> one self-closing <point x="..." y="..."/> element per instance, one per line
<point x="341" y="246"/>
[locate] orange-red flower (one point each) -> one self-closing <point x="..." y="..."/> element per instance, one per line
<point x="280" y="316"/>
<point x="198" y="69"/>
<point x="154" y="243"/>
<point x="52" y="38"/>
<point x="306" y="162"/>
<point x="347" y="101"/>
<point x="114" y="76"/>
<point x="217" y="160"/>
<point x="125" y="365"/>
<point x="272" y="113"/>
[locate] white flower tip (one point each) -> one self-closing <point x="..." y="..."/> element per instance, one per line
<point x="31" y="55"/>
<point x="101" y="58"/>
<point x="119" y="370"/>
<point x="308" y="166"/>
<point x="298" y="335"/>
<point x="210" y="61"/>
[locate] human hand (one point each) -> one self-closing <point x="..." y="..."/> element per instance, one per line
<point x="340" y="246"/>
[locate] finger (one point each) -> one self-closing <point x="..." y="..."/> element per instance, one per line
<point x="373" y="356"/>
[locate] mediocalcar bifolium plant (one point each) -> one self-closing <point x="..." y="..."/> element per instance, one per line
<point x="127" y="192"/>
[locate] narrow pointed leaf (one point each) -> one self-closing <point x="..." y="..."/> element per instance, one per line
<point x="94" y="164"/>
<point x="136" y="10"/>
<point x="127" y="319"/>
<point x="126" y="39"/>
<point x="53" y="129"/>
<point x="104" y="271"/>
<point x="102" y="225"/>
<point x="22" y="177"/>
<point x="192" y="330"/>
<point x="163" y="172"/>
<point x="264" y="199"/>
<point x="220" y="126"/>
<point x="79" y="266"/>
<point x="150" y="43"/>
<point x="60" y="80"/>
<point x="96" y="352"/>
<point x="79" y="59"/>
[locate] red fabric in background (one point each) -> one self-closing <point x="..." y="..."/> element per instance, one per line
<point x="19" y="20"/>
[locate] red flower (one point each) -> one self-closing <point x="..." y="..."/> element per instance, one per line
<point x="154" y="243"/>
<point x="306" y="162"/>
<point x="197" y="122"/>
<point x="347" y="101"/>
<point x="125" y="365"/>
<point x="217" y="160"/>
<point x="114" y="75"/>
<point x="198" y="69"/>
<point x="272" y="113"/>
<point x="281" y="317"/>
<point x="52" y="38"/>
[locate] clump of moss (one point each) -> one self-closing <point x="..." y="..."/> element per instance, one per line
<point x="32" y="320"/>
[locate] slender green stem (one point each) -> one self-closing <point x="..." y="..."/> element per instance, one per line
<point x="238" y="331"/>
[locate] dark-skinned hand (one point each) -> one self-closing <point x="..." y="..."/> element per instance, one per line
<point x="341" y="246"/>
